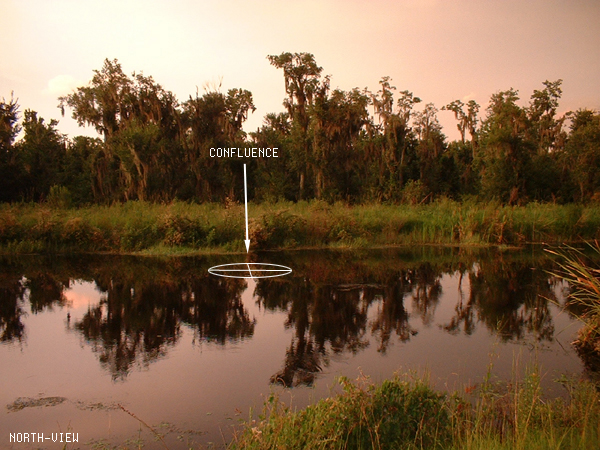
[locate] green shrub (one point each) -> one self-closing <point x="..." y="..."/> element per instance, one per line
<point x="180" y="231"/>
<point x="396" y="414"/>
<point x="409" y="415"/>
<point x="59" y="197"/>
<point x="78" y="233"/>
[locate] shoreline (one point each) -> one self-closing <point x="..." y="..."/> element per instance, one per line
<point x="139" y="228"/>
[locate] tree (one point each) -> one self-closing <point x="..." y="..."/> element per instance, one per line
<point x="214" y="120"/>
<point x="467" y="121"/>
<point x="78" y="172"/>
<point x="337" y="122"/>
<point x="505" y="154"/>
<point x="437" y="171"/>
<point x="456" y="107"/>
<point x="10" y="171"/>
<point x="273" y="181"/>
<point x="9" y="126"/>
<point x="106" y="103"/>
<point x="141" y="126"/>
<point x="582" y="153"/>
<point x="397" y="135"/>
<point x="238" y="103"/>
<point x="546" y="135"/>
<point x="546" y="128"/>
<point x="41" y="152"/>
<point x="302" y="77"/>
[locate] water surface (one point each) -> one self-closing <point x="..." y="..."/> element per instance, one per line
<point x="189" y="353"/>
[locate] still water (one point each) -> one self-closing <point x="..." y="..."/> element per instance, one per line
<point x="188" y="353"/>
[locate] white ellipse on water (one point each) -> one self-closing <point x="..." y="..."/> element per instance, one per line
<point x="250" y="270"/>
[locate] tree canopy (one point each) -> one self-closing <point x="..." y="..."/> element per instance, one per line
<point x="334" y="145"/>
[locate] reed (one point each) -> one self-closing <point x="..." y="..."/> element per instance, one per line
<point x="179" y="227"/>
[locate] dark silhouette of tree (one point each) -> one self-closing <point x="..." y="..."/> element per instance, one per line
<point x="505" y="153"/>
<point x="395" y="137"/>
<point x="214" y="120"/>
<point x="510" y="299"/>
<point x="213" y="307"/>
<point x="10" y="169"/>
<point x="12" y="293"/>
<point x="392" y="316"/>
<point x="302" y="77"/>
<point x="140" y="123"/>
<point x="331" y="145"/>
<point x="581" y="157"/>
<point x="42" y="153"/>
<point x="132" y="324"/>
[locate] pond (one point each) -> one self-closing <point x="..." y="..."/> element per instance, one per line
<point x="105" y="346"/>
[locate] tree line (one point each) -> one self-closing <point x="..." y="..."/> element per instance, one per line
<point x="335" y="145"/>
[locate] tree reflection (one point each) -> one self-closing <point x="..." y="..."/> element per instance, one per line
<point x="329" y="320"/>
<point x="213" y="307"/>
<point x="427" y="291"/>
<point x="136" y="322"/>
<point x="464" y="316"/>
<point x="42" y="291"/>
<point x="510" y="299"/>
<point x="294" y="295"/>
<point x="12" y="293"/>
<point x="132" y="324"/>
<point x="334" y="304"/>
<point x="45" y="291"/>
<point x="391" y="315"/>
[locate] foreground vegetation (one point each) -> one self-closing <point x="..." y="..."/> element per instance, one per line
<point x="188" y="228"/>
<point x="406" y="413"/>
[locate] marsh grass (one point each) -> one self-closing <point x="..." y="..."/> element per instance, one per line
<point x="516" y="414"/>
<point x="179" y="227"/>
<point x="406" y="413"/>
<point x="396" y="414"/>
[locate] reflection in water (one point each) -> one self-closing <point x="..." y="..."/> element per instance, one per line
<point x="137" y="320"/>
<point x="213" y="307"/>
<point x="510" y="299"/>
<point x="12" y="293"/>
<point x="336" y="303"/>
<point x="392" y="316"/>
<point x="45" y="291"/>
<point x="426" y="292"/>
<point x="42" y="290"/>
<point x="130" y="323"/>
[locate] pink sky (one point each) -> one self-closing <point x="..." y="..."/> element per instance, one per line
<point x="439" y="50"/>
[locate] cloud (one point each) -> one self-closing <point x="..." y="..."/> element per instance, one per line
<point x="61" y="85"/>
<point x="468" y="97"/>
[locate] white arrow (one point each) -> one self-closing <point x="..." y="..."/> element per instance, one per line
<point x="246" y="241"/>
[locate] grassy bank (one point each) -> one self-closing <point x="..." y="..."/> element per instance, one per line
<point x="406" y="413"/>
<point x="187" y="228"/>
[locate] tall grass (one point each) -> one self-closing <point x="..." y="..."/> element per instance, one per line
<point x="395" y="414"/>
<point x="584" y="297"/>
<point x="405" y="413"/>
<point x="182" y="227"/>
